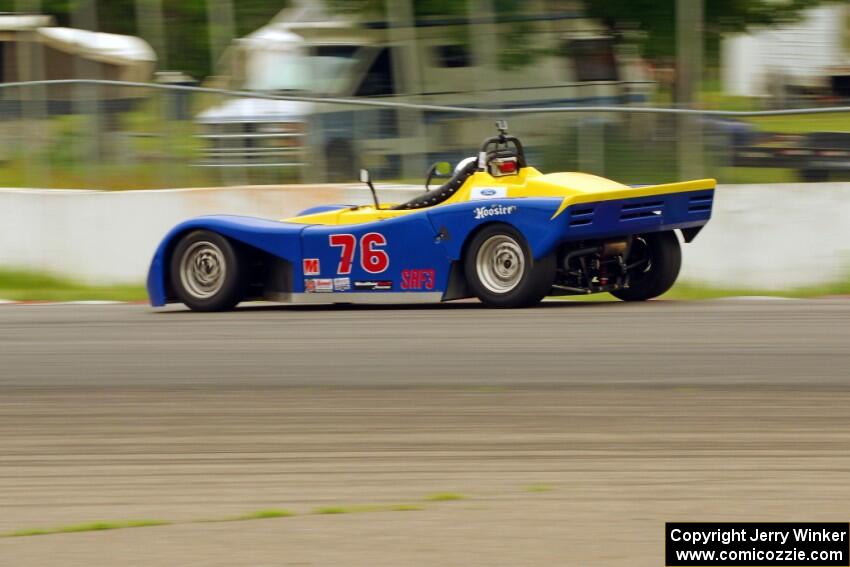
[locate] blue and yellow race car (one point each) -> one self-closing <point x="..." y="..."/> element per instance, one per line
<point x="499" y="230"/>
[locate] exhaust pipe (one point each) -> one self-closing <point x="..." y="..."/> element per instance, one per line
<point x="607" y="249"/>
<point x="613" y="248"/>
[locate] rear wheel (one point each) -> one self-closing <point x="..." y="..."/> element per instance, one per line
<point x="502" y="272"/>
<point x="655" y="260"/>
<point x="205" y="272"/>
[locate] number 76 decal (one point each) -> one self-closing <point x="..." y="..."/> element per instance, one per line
<point x="372" y="258"/>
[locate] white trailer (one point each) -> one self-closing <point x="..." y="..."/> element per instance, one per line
<point x="441" y="61"/>
<point x="809" y="56"/>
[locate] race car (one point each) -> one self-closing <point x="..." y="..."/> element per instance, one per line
<point x="498" y="230"/>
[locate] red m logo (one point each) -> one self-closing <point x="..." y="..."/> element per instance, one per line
<point x="311" y="266"/>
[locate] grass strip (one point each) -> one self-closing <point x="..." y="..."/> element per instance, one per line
<point x="362" y="508"/>
<point x="265" y="515"/>
<point x="257" y="515"/>
<point x="444" y="497"/>
<point x="88" y="527"/>
<point x="539" y="488"/>
<point x="21" y="285"/>
<point x="689" y="291"/>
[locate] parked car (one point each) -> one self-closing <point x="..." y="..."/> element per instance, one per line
<point x="815" y="156"/>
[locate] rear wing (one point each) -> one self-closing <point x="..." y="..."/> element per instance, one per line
<point x="686" y="206"/>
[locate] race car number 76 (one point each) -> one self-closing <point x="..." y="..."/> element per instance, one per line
<point x="372" y="258"/>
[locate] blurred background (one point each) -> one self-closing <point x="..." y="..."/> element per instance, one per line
<point x="251" y="58"/>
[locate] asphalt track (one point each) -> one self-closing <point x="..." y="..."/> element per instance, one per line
<point x="625" y="416"/>
<point x="715" y="342"/>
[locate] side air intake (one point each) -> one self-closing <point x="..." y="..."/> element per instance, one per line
<point x="641" y="210"/>
<point x="581" y="216"/>
<point x="700" y="203"/>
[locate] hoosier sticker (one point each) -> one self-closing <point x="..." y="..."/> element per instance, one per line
<point x="494" y="211"/>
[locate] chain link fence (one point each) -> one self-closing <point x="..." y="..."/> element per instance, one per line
<point x="116" y="135"/>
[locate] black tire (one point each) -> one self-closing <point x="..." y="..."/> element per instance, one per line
<point x="664" y="256"/>
<point x="340" y="162"/>
<point x="530" y="281"/>
<point x="194" y="262"/>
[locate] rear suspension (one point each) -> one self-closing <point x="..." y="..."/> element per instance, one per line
<point x="594" y="266"/>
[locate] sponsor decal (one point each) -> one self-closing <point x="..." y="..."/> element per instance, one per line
<point x="373" y="285"/>
<point x="318" y="285"/>
<point x="342" y="284"/>
<point x="480" y="193"/>
<point x="494" y="211"/>
<point x="418" y="279"/>
<point x="311" y="266"/>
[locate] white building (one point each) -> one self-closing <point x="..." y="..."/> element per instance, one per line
<point x="32" y="48"/>
<point x="805" y="54"/>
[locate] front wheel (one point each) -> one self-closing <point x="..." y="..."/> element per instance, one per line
<point x="205" y="272"/>
<point x="654" y="261"/>
<point x="502" y="272"/>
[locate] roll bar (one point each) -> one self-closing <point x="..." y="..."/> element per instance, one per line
<point x="500" y="143"/>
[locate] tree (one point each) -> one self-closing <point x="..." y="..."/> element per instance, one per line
<point x="187" y="40"/>
<point x="649" y="22"/>
<point x="655" y="20"/>
<point x="185" y="24"/>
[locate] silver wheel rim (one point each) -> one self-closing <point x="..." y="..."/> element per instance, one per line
<point x="500" y="264"/>
<point x="202" y="270"/>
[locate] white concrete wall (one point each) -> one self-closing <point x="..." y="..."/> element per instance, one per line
<point x="773" y="237"/>
<point x="110" y="237"/>
<point x="769" y="237"/>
